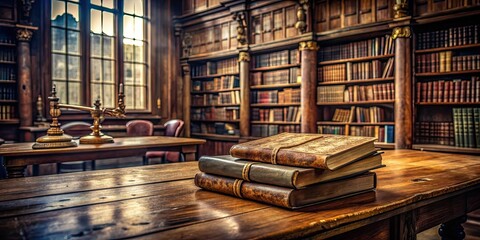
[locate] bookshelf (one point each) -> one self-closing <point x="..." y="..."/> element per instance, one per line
<point x="8" y="77"/>
<point x="355" y="91"/>
<point x="215" y="99"/>
<point x="447" y="87"/>
<point x="275" y="83"/>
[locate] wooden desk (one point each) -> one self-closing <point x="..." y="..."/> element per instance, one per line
<point x="416" y="191"/>
<point x="18" y="155"/>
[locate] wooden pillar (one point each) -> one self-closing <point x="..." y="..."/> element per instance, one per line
<point x="25" y="111"/>
<point x="244" y="70"/>
<point x="403" y="87"/>
<point x="308" y="89"/>
<point x="187" y="87"/>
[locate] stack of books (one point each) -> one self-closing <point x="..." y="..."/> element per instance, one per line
<point x="293" y="170"/>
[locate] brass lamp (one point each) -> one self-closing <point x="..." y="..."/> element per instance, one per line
<point x="56" y="138"/>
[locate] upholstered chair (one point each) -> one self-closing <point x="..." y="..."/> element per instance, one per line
<point x="140" y="128"/>
<point x="173" y="128"/>
<point x="75" y="129"/>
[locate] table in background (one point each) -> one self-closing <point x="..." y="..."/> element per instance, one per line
<point x="416" y="191"/>
<point x="17" y="156"/>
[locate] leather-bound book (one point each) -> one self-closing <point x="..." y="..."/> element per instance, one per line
<point x="287" y="197"/>
<point x="284" y="176"/>
<point x="305" y="150"/>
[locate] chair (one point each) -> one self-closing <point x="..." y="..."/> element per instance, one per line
<point x="173" y="128"/>
<point x="75" y="129"/>
<point x="140" y="128"/>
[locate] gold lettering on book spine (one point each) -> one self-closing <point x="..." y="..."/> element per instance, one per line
<point x="237" y="188"/>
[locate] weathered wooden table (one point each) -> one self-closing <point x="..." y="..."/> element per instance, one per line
<point x="17" y="156"/>
<point x="417" y="190"/>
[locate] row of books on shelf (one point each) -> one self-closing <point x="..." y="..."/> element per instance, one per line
<point x="450" y="37"/>
<point x="287" y="95"/>
<point x="215" y="128"/>
<point x="445" y="62"/>
<point x="382" y="133"/>
<point x="341" y="169"/>
<point x="434" y="133"/>
<point x="356" y="71"/>
<point x="8" y="93"/>
<point x="8" y="55"/>
<point x="367" y="48"/>
<point x="264" y="130"/>
<point x="284" y="76"/>
<point x="356" y="93"/>
<point x="456" y="90"/>
<point x="216" y="113"/>
<point x="280" y="58"/>
<point x="220" y="83"/>
<point x="227" y="66"/>
<point x="287" y="114"/>
<point x="230" y="97"/>
<point x="362" y="115"/>
<point x="7" y="73"/>
<point x="466" y="125"/>
<point x="7" y="112"/>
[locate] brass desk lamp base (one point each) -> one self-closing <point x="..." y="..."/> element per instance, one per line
<point x="94" y="139"/>
<point x="54" y="141"/>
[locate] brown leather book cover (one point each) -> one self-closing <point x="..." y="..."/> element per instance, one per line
<point x="306" y="150"/>
<point x="284" y="176"/>
<point x="287" y="197"/>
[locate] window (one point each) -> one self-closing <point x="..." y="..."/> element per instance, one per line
<point x="92" y="66"/>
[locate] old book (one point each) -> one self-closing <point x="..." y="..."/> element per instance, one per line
<point x="279" y="175"/>
<point x="287" y="197"/>
<point x="305" y="150"/>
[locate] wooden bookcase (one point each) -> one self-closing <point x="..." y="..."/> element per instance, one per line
<point x="447" y="86"/>
<point x="356" y="67"/>
<point x="8" y="77"/>
<point x="275" y="92"/>
<point x="355" y="93"/>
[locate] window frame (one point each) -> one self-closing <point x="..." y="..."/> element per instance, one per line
<point x="85" y="7"/>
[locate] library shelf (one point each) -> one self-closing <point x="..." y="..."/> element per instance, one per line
<point x="8" y="101"/>
<point x="216" y="91"/>
<point x="216" y="105"/>
<point x="220" y="137"/>
<point x="275" y="86"/>
<point x="8" y="45"/>
<point x="433" y="74"/>
<point x="354" y="82"/>
<point x="446" y="103"/>
<point x="275" y="123"/>
<point x="430" y="50"/>
<point x="356" y="103"/>
<point x="360" y="59"/>
<point x="215" y="120"/>
<point x="445" y="148"/>
<point x="214" y="76"/>
<point x="261" y="69"/>
<point x="9" y="121"/>
<point x="8" y="81"/>
<point x="274" y="104"/>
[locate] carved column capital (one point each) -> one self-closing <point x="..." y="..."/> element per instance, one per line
<point x="400" y="8"/>
<point x="186" y="69"/>
<point x="301" y="23"/>
<point x="244" y="57"/>
<point x="241" y="27"/>
<point x="401" y="32"/>
<point x="186" y="44"/>
<point x="308" y="46"/>
<point x="24" y="34"/>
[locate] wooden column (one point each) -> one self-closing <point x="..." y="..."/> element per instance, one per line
<point x="244" y="70"/>
<point x="403" y="87"/>
<point x="308" y="89"/>
<point x="187" y="87"/>
<point x="25" y="111"/>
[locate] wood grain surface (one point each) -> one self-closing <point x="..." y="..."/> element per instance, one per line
<point x="416" y="190"/>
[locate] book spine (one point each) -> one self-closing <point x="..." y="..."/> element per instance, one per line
<point x="274" y="195"/>
<point x="235" y="169"/>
